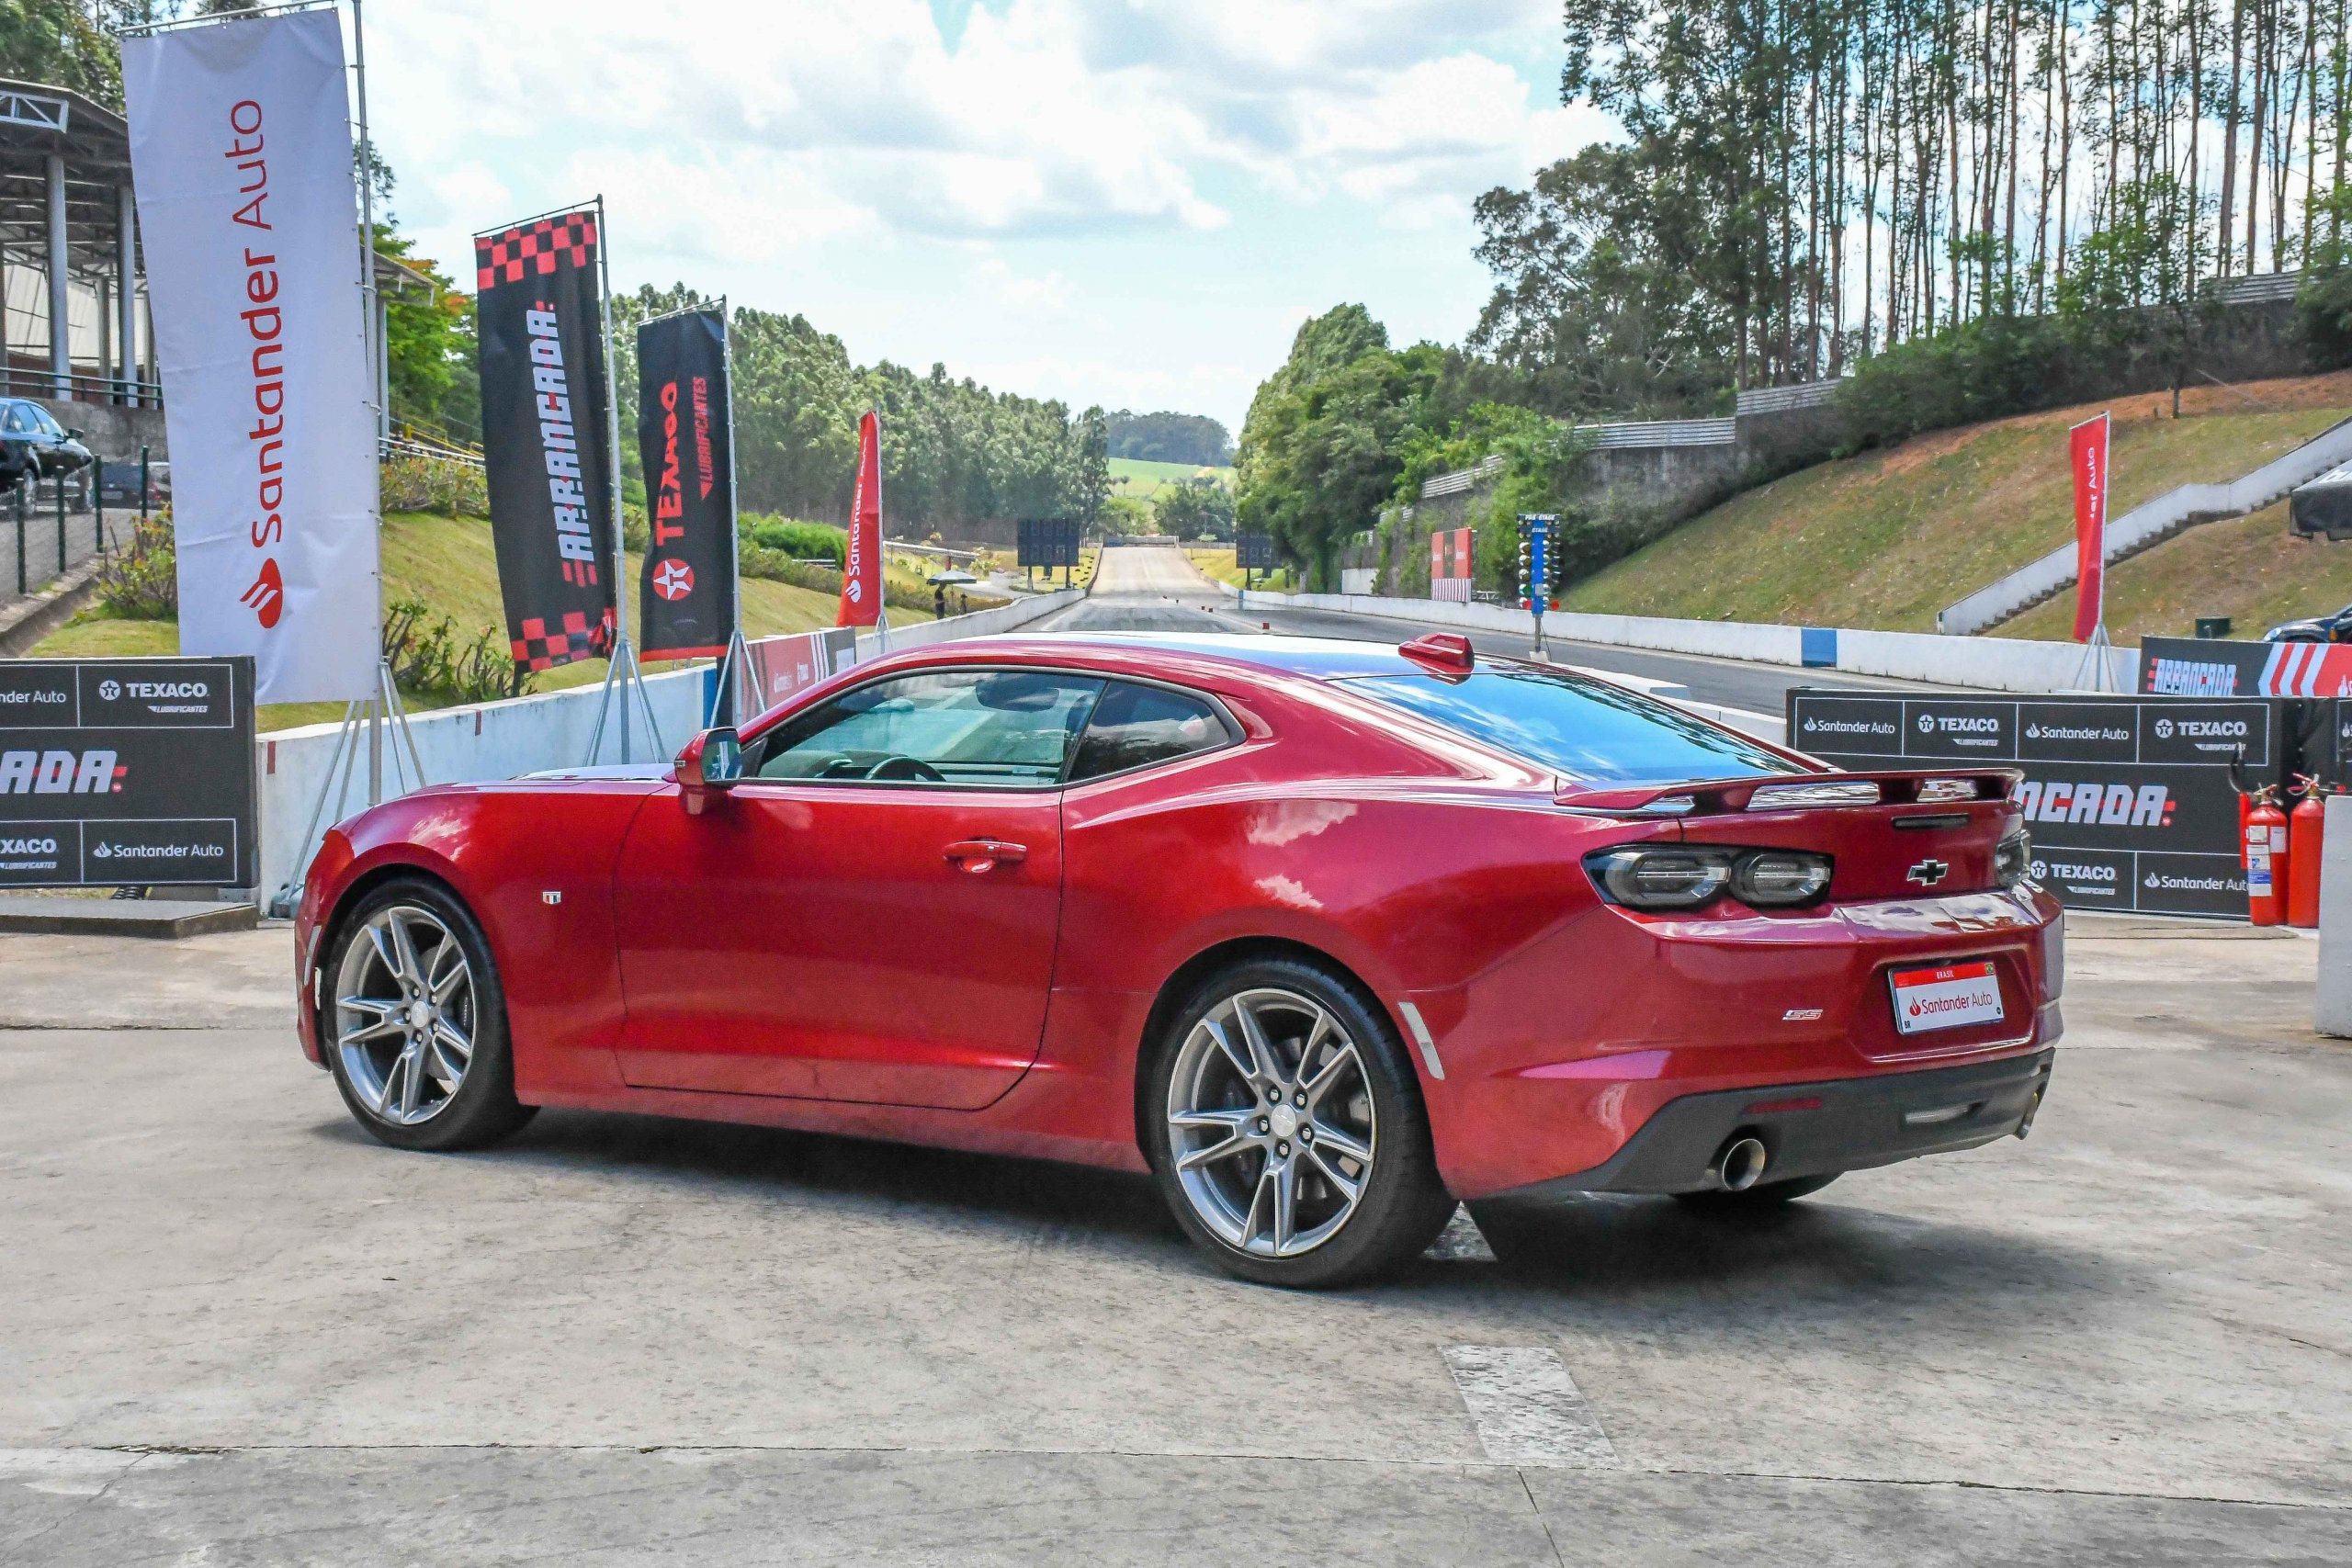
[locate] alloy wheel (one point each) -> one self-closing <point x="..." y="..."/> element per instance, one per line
<point x="1271" y="1124"/>
<point x="404" y="1012"/>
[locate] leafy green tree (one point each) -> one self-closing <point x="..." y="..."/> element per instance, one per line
<point x="1197" y="508"/>
<point x="1170" y="437"/>
<point x="63" y="43"/>
<point x="1320" y="450"/>
<point x="1093" y="479"/>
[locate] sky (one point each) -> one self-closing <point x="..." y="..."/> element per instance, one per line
<point x="1126" y="202"/>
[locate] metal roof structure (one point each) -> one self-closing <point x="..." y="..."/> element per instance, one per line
<point x="65" y="194"/>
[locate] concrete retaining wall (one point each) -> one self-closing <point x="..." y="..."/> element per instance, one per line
<point x="2001" y="664"/>
<point x="501" y="740"/>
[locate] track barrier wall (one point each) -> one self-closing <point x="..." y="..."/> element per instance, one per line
<point x="506" y="740"/>
<point x="2000" y="664"/>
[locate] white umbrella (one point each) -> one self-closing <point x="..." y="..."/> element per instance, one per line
<point x="950" y="578"/>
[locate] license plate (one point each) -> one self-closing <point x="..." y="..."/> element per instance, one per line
<point x="1949" y="997"/>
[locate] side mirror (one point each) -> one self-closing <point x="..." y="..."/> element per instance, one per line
<point x="74" y="435"/>
<point x="712" y="763"/>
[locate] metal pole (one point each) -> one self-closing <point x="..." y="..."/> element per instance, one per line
<point x="60" y="349"/>
<point x="734" y="503"/>
<point x="61" y="522"/>
<point x="613" y="466"/>
<point x="21" y="483"/>
<point x="375" y="350"/>
<point x="99" y="508"/>
<point x="126" y="304"/>
<point x="144" y="481"/>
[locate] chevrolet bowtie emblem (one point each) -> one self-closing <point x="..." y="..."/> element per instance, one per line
<point x="1927" y="873"/>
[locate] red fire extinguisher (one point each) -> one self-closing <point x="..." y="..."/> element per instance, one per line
<point x="2306" y="830"/>
<point x="2266" y="858"/>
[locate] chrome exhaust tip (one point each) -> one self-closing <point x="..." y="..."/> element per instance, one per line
<point x="1741" y="1165"/>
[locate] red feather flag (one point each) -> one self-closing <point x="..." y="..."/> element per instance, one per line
<point x="862" y="572"/>
<point x="2089" y="456"/>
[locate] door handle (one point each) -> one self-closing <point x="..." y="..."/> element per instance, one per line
<point x="980" y="856"/>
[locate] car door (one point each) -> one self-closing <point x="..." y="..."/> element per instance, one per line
<point x="871" y="914"/>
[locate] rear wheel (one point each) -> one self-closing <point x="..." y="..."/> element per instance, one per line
<point x="1761" y="1199"/>
<point x="416" y="1022"/>
<point x="1286" y="1131"/>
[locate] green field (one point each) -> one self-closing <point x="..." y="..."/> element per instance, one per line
<point x="1133" y="476"/>
<point x="1886" y="539"/>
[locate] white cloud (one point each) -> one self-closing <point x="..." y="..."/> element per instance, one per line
<point x="1143" y="172"/>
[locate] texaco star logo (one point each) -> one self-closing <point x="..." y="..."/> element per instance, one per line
<point x="109" y="691"/>
<point x="674" y="580"/>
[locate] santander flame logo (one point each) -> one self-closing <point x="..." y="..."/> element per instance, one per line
<point x="266" y="597"/>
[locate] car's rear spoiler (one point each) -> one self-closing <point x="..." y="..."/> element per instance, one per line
<point x="1782" y="792"/>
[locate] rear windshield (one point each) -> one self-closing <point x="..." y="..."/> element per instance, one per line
<point x="1586" y="729"/>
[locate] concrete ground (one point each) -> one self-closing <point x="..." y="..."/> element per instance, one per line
<point x="238" y="1331"/>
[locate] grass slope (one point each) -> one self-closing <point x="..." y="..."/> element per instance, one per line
<point x="448" y="563"/>
<point x="1135" y="477"/>
<point x="1886" y="539"/>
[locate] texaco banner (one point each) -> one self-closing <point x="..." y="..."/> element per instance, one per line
<point x="241" y="152"/>
<point x="687" y="598"/>
<point x="539" y="317"/>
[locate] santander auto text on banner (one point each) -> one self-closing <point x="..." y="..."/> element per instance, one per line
<point x="241" y="152"/>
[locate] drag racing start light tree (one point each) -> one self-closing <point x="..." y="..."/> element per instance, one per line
<point x="1537" y="568"/>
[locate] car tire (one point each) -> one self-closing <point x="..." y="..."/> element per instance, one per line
<point x="1761" y="1199"/>
<point x="409" y="979"/>
<point x="1257" y="1162"/>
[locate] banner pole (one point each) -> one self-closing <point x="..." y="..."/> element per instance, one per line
<point x="613" y="475"/>
<point x="734" y="500"/>
<point x="374" y="353"/>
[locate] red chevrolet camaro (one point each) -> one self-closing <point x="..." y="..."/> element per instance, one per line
<point x="1324" y="935"/>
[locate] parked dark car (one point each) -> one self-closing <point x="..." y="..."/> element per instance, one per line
<point x="118" y="484"/>
<point x="2336" y="628"/>
<point x="32" y="443"/>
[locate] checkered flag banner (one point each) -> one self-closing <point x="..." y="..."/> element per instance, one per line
<point x="545" y="435"/>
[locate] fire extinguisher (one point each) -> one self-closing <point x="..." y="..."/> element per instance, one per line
<point x="2306" y="830"/>
<point x="2266" y="858"/>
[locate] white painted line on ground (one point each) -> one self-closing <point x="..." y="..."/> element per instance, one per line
<point x="1526" y="1407"/>
<point x="1462" y="1241"/>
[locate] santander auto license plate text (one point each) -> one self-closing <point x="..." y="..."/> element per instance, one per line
<point x="1946" y="997"/>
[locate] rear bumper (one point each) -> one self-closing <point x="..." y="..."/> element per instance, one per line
<point x="1815" y="1129"/>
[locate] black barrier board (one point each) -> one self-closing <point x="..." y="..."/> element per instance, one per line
<point x="134" y="772"/>
<point x="1254" y="551"/>
<point x="1049" y="542"/>
<point x="2129" y="801"/>
<point x="2201" y="667"/>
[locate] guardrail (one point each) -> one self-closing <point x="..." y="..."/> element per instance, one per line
<point x="1781" y="399"/>
<point x="2258" y="289"/>
<point x="82" y="387"/>
<point x="1654" y="433"/>
<point x="2148" y="524"/>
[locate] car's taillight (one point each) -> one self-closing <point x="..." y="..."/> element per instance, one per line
<point x="2012" y="859"/>
<point x="1690" y="876"/>
<point x="1776" y="878"/>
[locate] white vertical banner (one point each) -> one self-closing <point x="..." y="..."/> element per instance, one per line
<point x="248" y="207"/>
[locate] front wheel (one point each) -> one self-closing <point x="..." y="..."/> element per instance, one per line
<point x="1286" y="1132"/>
<point x="416" y="1022"/>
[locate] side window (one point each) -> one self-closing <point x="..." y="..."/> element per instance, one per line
<point x="1133" y="726"/>
<point x="14" y="422"/>
<point x="48" y="426"/>
<point x="979" y="729"/>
